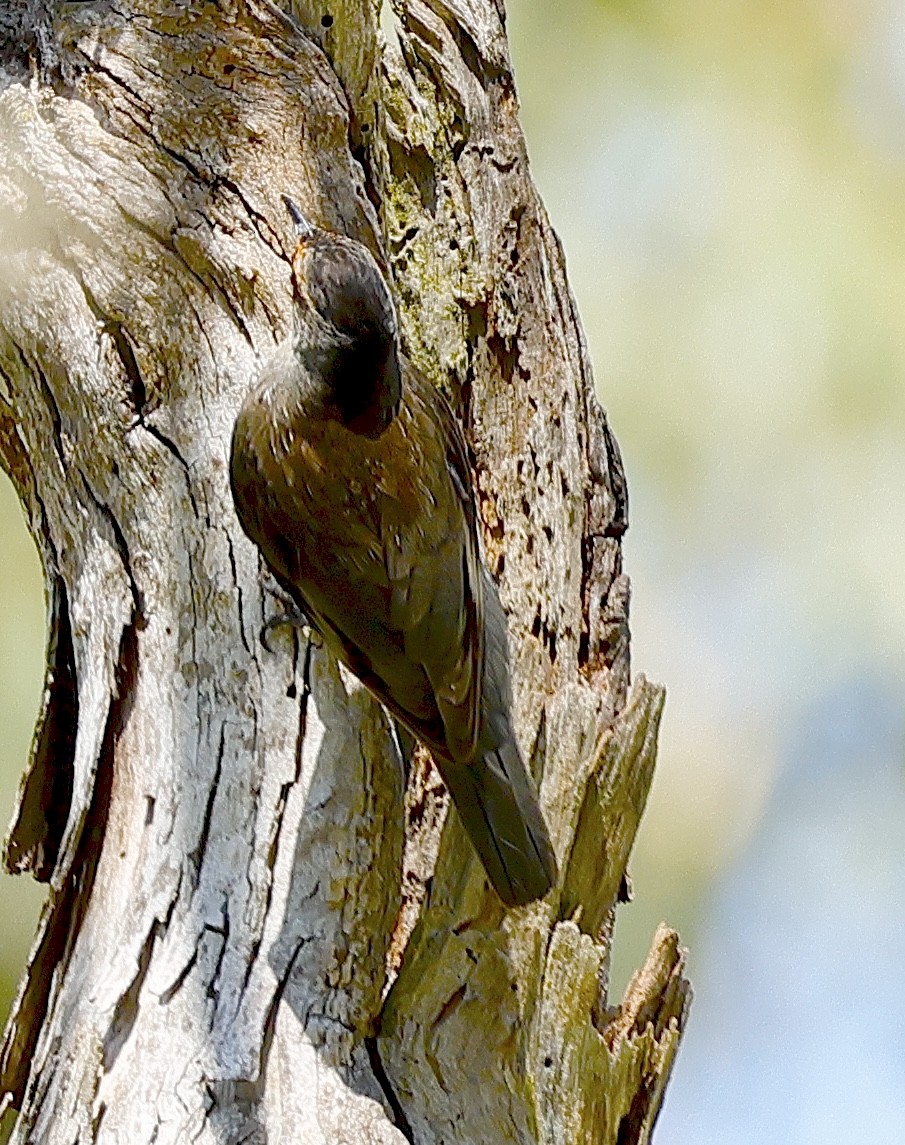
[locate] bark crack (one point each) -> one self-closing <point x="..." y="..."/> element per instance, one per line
<point x="240" y="596"/>
<point x="126" y="1011"/>
<point x="56" y="420"/>
<point x="122" y="547"/>
<point x="67" y="907"/>
<point x="198" y="853"/>
<point x="114" y="328"/>
<point x="381" y="1077"/>
<point x="34" y="838"/>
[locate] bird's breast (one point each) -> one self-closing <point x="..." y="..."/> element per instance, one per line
<point x="393" y="481"/>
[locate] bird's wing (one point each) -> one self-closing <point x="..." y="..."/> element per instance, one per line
<point x="377" y="540"/>
<point x="412" y="602"/>
<point x="434" y="570"/>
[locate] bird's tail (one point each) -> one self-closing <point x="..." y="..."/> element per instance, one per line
<point x="498" y="806"/>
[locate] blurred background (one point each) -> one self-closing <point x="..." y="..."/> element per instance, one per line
<point x="728" y="179"/>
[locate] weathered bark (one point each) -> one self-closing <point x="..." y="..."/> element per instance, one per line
<point x="222" y="826"/>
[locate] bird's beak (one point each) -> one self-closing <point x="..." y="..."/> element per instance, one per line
<point x="303" y="228"/>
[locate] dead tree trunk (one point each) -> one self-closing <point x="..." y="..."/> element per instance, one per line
<point x="222" y="826"/>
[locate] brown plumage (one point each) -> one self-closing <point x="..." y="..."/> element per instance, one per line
<point x="349" y="472"/>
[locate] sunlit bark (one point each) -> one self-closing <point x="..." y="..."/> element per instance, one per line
<point x="222" y="825"/>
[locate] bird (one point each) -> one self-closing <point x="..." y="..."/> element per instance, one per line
<point x="350" y="473"/>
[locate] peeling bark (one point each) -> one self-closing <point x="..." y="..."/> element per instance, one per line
<point x="231" y="950"/>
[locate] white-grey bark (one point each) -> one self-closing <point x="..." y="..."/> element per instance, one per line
<point x="222" y="826"/>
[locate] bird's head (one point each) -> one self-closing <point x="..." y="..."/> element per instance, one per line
<point x="345" y="324"/>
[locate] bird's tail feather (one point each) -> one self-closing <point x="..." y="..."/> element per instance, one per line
<point x="498" y="806"/>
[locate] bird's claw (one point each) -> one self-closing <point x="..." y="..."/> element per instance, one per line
<point x="292" y="616"/>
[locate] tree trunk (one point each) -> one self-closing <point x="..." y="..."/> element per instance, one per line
<point x="223" y="826"/>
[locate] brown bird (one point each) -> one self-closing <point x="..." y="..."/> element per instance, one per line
<point x="350" y="474"/>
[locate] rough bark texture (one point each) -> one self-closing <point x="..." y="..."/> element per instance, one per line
<point x="222" y="826"/>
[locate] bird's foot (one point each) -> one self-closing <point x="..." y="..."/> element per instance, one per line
<point x="289" y="613"/>
<point x="292" y="617"/>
